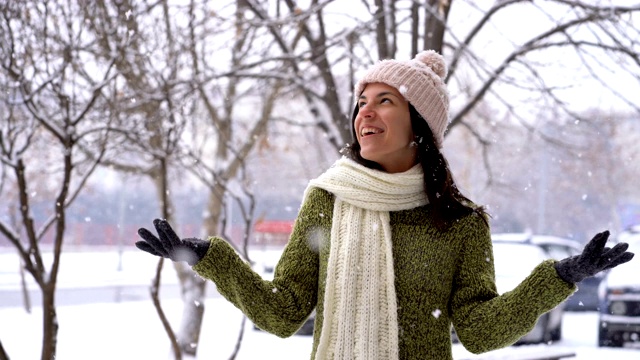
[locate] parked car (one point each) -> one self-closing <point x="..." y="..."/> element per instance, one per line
<point x="586" y="298"/>
<point x="514" y="261"/>
<point x="265" y="261"/>
<point x="619" y="294"/>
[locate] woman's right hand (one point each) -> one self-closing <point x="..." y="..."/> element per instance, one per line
<point x="168" y="245"/>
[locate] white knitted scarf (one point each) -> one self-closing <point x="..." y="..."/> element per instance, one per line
<point x="360" y="310"/>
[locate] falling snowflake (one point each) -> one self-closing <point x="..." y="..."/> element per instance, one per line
<point x="436" y="313"/>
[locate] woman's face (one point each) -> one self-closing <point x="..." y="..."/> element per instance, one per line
<point x="383" y="128"/>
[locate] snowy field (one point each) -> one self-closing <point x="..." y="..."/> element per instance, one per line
<point x="104" y="326"/>
<point x="131" y="330"/>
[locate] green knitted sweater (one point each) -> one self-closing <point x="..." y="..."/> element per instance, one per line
<point x="442" y="278"/>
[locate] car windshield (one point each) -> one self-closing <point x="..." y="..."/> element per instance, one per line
<point x="627" y="275"/>
<point x="634" y="245"/>
<point x="633" y="266"/>
<point x="516" y="259"/>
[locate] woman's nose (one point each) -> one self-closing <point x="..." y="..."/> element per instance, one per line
<point x="366" y="110"/>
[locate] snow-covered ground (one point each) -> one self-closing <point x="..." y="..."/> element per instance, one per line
<point x="131" y="330"/>
<point x="122" y="328"/>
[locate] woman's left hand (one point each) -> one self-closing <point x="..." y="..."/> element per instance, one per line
<point x="594" y="258"/>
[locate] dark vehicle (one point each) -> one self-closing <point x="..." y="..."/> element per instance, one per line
<point x="619" y="295"/>
<point x="586" y="298"/>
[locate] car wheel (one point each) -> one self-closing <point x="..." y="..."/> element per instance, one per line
<point x="306" y="329"/>
<point x="540" y="332"/>
<point x="547" y="334"/>
<point x="556" y="334"/>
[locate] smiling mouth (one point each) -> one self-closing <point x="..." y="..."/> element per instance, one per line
<point x="367" y="131"/>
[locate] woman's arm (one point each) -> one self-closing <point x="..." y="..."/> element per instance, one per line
<point x="483" y="319"/>
<point x="282" y="305"/>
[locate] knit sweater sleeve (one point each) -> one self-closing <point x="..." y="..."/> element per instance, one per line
<point x="282" y="305"/>
<point x="485" y="320"/>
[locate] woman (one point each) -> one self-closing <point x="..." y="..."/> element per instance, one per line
<point x="385" y="248"/>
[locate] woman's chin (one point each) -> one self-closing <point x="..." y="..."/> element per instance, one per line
<point x="368" y="156"/>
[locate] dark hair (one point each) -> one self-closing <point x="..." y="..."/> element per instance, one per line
<point x="448" y="202"/>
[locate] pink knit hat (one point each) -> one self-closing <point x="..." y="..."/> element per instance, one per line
<point x="421" y="82"/>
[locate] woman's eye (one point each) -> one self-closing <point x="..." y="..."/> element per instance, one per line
<point x="361" y="104"/>
<point x="385" y="100"/>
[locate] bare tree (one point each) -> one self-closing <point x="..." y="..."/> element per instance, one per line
<point x="148" y="103"/>
<point x="603" y="154"/>
<point x="177" y="100"/>
<point x="196" y="83"/>
<point x="502" y="74"/>
<point x="569" y="178"/>
<point x="46" y="118"/>
<point x="594" y="38"/>
<point x="223" y="134"/>
<point x="318" y="63"/>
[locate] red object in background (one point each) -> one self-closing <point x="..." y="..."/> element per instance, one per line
<point x="272" y="232"/>
<point x="273" y="227"/>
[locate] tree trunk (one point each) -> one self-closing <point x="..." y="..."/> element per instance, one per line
<point x="193" y="287"/>
<point x="381" y="30"/>
<point x="193" y="290"/>
<point x="415" y="27"/>
<point x="49" y="323"/>
<point x="3" y="353"/>
<point x="25" y="289"/>
<point x="435" y="22"/>
<point x="160" y="178"/>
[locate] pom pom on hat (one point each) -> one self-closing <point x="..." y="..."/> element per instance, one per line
<point x="421" y="82"/>
<point x="433" y="60"/>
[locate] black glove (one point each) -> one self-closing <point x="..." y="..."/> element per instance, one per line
<point x="169" y="245"/>
<point x="594" y="258"/>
